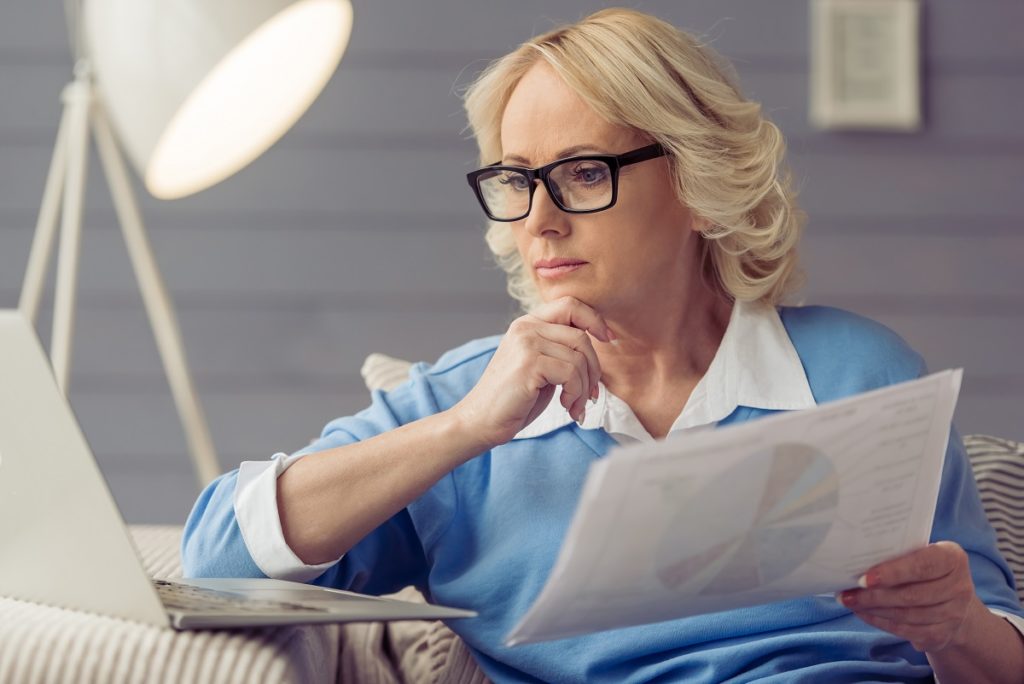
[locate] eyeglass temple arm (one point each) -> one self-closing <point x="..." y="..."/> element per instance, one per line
<point x="643" y="154"/>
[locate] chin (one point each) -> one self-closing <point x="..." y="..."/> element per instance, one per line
<point x="549" y="292"/>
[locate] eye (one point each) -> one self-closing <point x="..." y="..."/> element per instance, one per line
<point x="516" y="181"/>
<point x="590" y="175"/>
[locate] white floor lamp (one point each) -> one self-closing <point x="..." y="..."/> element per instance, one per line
<point x="194" y="90"/>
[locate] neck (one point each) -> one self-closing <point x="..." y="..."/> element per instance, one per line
<point x="664" y="345"/>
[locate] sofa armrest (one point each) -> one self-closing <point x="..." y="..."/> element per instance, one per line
<point x="46" y="644"/>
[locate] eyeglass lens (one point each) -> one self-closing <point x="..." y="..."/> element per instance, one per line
<point x="580" y="185"/>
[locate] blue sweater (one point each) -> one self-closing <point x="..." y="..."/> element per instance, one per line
<point x="487" y="534"/>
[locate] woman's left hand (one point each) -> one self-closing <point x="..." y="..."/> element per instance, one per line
<point x="926" y="596"/>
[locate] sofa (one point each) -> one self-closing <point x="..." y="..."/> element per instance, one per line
<point x="44" y="644"/>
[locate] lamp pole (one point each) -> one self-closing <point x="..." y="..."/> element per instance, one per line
<point x="63" y="195"/>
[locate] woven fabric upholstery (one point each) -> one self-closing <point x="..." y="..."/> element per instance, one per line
<point x="45" y="644"/>
<point x="408" y="652"/>
<point x="998" y="466"/>
<point x="384" y="372"/>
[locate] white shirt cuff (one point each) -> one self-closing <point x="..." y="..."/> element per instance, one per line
<point x="260" y="522"/>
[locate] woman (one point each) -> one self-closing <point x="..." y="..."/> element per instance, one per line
<point x="641" y="214"/>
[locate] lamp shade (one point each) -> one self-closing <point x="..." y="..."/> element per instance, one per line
<point x="197" y="89"/>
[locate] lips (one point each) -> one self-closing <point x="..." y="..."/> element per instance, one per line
<point x="555" y="263"/>
<point x="555" y="268"/>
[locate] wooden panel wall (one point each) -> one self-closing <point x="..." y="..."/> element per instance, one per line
<point x="337" y="243"/>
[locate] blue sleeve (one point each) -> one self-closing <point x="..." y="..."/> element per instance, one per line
<point x="959" y="517"/>
<point x="845" y="354"/>
<point x="389" y="558"/>
<point x="212" y="543"/>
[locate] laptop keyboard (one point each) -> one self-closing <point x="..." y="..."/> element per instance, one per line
<point x="193" y="599"/>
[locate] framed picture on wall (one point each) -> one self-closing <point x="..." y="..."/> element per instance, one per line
<point x="865" y="64"/>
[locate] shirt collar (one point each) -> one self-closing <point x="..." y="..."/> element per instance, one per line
<point x="756" y="366"/>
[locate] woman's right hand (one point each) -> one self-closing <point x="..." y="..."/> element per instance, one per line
<point x="542" y="350"/>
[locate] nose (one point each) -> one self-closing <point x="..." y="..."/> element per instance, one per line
<point x="545" y="218"/>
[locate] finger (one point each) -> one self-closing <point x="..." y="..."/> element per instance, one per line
<point x="923" y="615"/>
<point x="555" y="371"/>
<point x="931" y="562"/>
<point x="571" y="311"/>
<point x="578" y="340"/>
<point x="574" y="404"/>
<point x="931" y="592"/>
<point x="532" y="344"/>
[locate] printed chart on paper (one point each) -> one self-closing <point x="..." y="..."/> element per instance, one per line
<point x="787" y="506"/>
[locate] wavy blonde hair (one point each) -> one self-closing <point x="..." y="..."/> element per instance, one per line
<point x="638" y="71"/>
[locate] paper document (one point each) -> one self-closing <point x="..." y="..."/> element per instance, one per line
<point x="790" y="505"/>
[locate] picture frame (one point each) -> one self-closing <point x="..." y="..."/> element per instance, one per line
<point x="865" y="64"/>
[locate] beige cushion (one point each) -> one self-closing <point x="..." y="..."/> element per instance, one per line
<point x="413" y="651"/>
<point x="381" y="371"/>
<point x="46" y="644"/>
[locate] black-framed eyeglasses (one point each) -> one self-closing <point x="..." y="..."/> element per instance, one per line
<point x="578" y="185"/>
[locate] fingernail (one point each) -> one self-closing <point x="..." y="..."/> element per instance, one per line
<point x="594" y="393"/>
<point x="847" y="598"/>
<point x="583" y="417"/>
<point x="614" y="343"/>
<point x="870" y="579"/>
<point x="610" y="334"/>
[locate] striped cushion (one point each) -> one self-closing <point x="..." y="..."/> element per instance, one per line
<point x="384" y="372"/>
<point x="46" y="644"/>
<point x="999" y="469"/>
<point x="406" y="652"/>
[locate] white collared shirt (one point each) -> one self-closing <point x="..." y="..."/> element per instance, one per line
<point x="756" y="365"/>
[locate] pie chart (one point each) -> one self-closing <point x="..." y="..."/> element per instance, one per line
<point x="793" y="514"/>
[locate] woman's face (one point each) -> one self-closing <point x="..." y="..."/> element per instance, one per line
<point x="629" y="257"/>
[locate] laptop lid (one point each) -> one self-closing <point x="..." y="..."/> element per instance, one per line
<point x="63" y="541"/>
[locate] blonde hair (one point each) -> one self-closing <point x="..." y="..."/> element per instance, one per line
<point x="638" y="71"/>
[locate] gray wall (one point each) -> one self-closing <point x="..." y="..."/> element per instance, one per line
<point x="337" y="242"/>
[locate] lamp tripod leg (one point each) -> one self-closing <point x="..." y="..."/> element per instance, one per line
<point x="46" y="225"/>
<point x="77" y="99"/>
<point x="157" y="302"/>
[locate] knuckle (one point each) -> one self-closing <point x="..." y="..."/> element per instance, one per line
<point x="959" y="556"/>
<point x="566" y="303"/>
<point x="518" y="326"/>
<point x="529" y="347"/>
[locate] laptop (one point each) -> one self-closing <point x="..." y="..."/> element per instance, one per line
<point x="64" y="543"/>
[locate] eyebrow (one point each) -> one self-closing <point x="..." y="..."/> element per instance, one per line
<point x="562" y="154"/>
